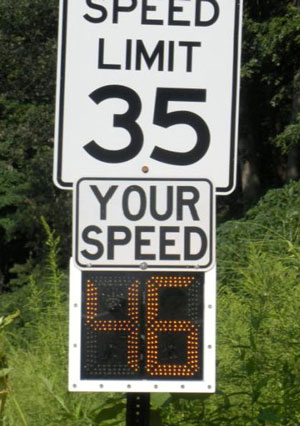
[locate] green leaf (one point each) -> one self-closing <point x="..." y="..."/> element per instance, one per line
<point x="110" y="413"/>
<point x="4" y="372"/>
<point x="158" y="399"/>
<point x="268" y="416"/>
<point x="5" y="321"/>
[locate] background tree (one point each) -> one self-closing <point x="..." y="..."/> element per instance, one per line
<point x="28" y="31"/>
<point x="270" y="121"/>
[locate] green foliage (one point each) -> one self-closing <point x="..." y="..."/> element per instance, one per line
<point x="37" y="346"/>
<point x="272" y="225"/>
<point x="52" y="273"/>
<point x="26" y="192"/>
<point x="270" y="41"/>
<point x="28" y="31"/>
<point x="24" y="165"/>
<point x="258" y="333"/>
<point x="269" y="66"/>
<point x="289" y="137"/>
<point x="4" y="370"/>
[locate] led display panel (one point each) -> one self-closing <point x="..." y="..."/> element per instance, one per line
<point x="141" y="331"/>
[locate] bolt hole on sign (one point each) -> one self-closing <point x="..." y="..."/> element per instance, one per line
<point x="148" y="86"/>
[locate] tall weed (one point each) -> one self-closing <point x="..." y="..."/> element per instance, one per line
<point x="258" y="329"/>
<point x="4" y="369"/>
<point x="37" y="350"/>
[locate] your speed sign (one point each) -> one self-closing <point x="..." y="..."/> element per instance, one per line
<point x="148" y="86"/>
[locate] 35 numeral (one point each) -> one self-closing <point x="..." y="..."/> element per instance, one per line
<point x="161" y="118"/>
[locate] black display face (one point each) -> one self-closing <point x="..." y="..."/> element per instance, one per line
<point x="142" y="325"/>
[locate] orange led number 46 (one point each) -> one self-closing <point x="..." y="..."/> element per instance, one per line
<point x="142" y="331"/>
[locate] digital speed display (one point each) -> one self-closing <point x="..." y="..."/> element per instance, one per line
<point x="140" y="325"/>
<point x="142" y="331"/>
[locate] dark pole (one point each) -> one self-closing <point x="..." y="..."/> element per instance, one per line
<point x="138" y="409"/>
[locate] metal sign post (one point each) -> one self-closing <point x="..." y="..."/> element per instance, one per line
<point x="138" y="409"/>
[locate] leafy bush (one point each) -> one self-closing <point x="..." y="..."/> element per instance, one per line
<point x="4" y="370"/>
<point x="28" y="38"/>
<point x="37" y="348"/>
<point x="258" y="334"/>
<point x="26" y="192"/>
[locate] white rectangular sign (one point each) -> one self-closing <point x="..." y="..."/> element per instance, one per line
<point x="148" y="86"/>
<point x="141" y="332"/>
<point x="149" y="224"/>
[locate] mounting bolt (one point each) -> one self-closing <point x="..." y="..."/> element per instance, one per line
<point x="144" y="266"/>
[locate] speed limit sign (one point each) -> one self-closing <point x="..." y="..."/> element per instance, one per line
<point x="148" y="86"/>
